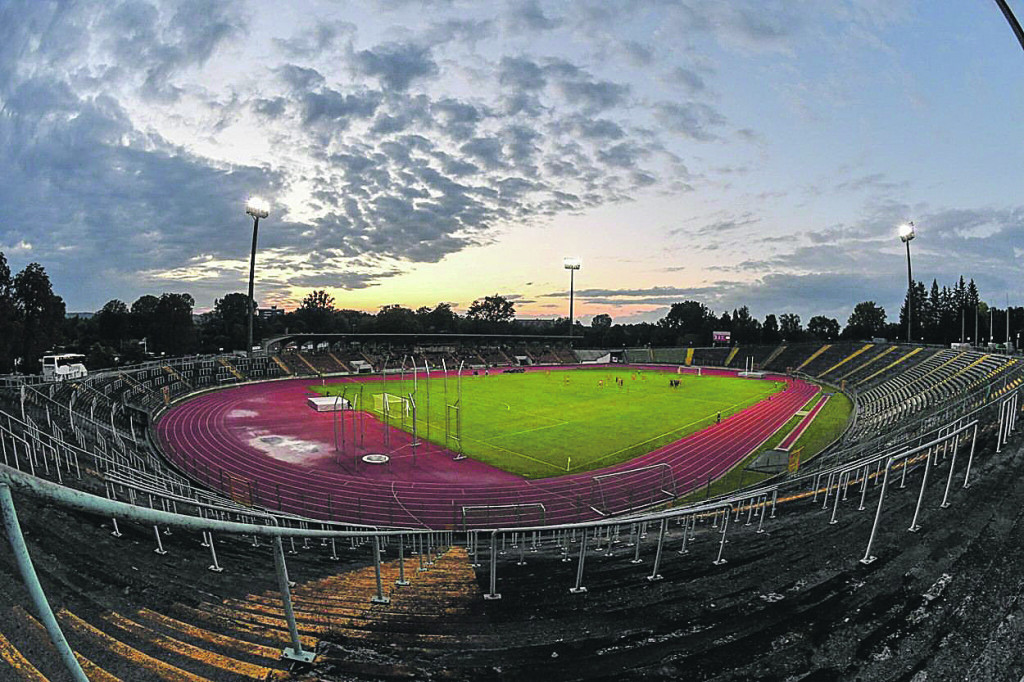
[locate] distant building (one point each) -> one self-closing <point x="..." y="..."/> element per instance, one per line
<point x="267" y="313"/>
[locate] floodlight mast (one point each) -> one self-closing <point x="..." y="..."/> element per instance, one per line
<point x="572" y="264"/>
<point x="257" y="208"/>
<point x="907" y="234"/>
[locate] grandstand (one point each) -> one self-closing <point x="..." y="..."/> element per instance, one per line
<point x="733" y="585"/>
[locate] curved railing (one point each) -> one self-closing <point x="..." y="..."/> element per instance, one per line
<point x="944" y="437"/>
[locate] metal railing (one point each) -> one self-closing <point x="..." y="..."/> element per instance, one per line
<point x="151" y="499"/>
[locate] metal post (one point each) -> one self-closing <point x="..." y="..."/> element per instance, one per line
<point x="657" y="556"/>
<point x="401" y="582"/>
<point x="252" y="273"/>
<point x="215" y="567"/>
<point x="970" y="459"/>
<point x="494" y="594"/>
<point x="294" y="652"/>
<point x="835" y="506"/>
<point x="378" y="598"/>
<point x="28" y="576"/>
<point x="579" y="589"/>
<point x="920" y="496"/>
<point x="952" y="467"/>
<point x="863" y="488"/>
<point x="868" y="556"/>
<point x="910" y="293"/>
<point x="721" y="545"/>
<point x="686" y="536"/>
<point x="159" y="544"/>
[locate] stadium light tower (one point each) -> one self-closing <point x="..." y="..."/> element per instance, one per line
<point x="571" y="264"/>
<point x="257" y="208"/>
<point x="906" y="232"/>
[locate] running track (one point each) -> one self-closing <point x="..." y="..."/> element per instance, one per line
<point x="262" y="439"/>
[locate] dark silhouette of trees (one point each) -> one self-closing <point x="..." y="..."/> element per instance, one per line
<point x="40" y="313"/>
<point x="865" y="322"/>
<point x="10" y="330"/>
<point x="823" y="328"/>
<point x="494" y="309"/>
<point x="790" y="327"/>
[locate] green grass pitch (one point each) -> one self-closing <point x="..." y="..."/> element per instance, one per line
<point x="541" y="424"/>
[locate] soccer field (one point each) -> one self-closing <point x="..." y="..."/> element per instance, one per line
<point x="541" y="424"/>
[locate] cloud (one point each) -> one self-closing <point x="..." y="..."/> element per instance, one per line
<point x="333" y="106"/>
<point x="594" y="96"/>
<point x="689" y="79"/>
<point x="694" y="120"/>
<point x="397" y="65"/>
<point x="521" y="73"/>
<point x="527" y="16"/>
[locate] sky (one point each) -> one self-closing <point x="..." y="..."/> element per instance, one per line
<point x="748" y="152"/>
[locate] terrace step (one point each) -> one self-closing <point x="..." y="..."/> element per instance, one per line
<point x="813" y="356"/>
<point x="732" y="354"/>
<point x="775" y="353"/>
<point x="892" y="364"/>
<point x="17" y="665"/>
<point x="849" y="357"/>
<point x="38" y="633"/>
<point x="231" y="368"/>
<point x="868" y="363"/>
<point x="280" y="363"/>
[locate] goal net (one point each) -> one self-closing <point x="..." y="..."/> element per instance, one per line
<point x="389" y="405"/>
<point x="503" y="515"/>
<point x="631" y="489"/>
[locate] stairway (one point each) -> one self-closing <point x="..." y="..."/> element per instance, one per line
<point x="284" y="367"/>
<point x="813" y="356"/>
<point x="231" y="368"/>
<point x="775" y="353"/>
<point x="849" y="357"/>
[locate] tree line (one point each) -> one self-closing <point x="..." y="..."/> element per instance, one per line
<point x="33" y="322"/>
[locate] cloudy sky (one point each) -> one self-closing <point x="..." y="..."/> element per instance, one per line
<point x="749" y="151"/>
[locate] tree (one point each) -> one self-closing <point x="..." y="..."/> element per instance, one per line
<point x="228" y="325"/>
<point x="790" y="327"/>
<point x="601" y="322"/>
<point x="866" y="321"/>
<point x="10" y="326"/>
<point x="442" y="319"/>
<point x="394" y="319"/>
<point x="770" y="330"/>
<point x="41" y="313"/>
<point x="173" y="331"/>
<point x="113" y="322"/>
<point x="316" y="312"/>
<point x="689" y="322"/>
<point x="824" y="328"/>
<point x="745" y="329"/>
<point x="143" y="315"/>
<point x="494" y="309"/>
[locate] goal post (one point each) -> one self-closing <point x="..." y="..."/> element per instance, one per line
<point x="503" y="515"/>
<point x="628" y="490"/>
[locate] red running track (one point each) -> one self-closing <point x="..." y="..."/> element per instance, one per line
<point x="262" y="440"/>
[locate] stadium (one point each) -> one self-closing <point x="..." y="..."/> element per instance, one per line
<point x="442" y="555"/>
<point x="252" y="493"/>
